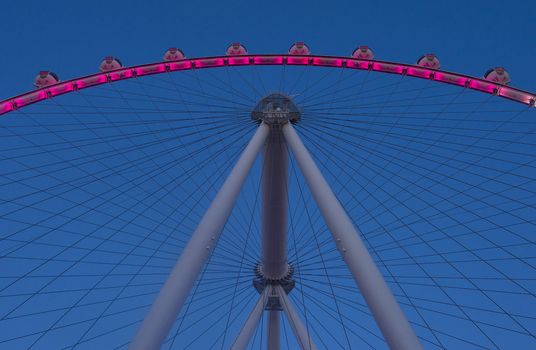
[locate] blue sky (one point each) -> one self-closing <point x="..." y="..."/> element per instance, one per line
<point x="70" y="38"/>
<point x="469" y="37"/>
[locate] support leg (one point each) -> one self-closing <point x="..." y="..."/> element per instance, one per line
<point x="386" y="311"/>
<point x="275" y="205"/>
<point x="243" y="339"/>
<point x="274" y="221"/>
<point x="301" y="332"/>
<point x="167" y="305"/>
<point x="273" y="339"/>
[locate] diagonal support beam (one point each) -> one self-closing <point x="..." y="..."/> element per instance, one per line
<point x="244" y="337"/>
<point x="386" y="311"/>
<point x="173" y="294"/>
<point x="301" y="332"/>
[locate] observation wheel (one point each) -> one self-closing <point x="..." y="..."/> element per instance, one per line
<point x="271" y="202"/>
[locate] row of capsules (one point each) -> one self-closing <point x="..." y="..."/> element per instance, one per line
<point x="497" y="75"/>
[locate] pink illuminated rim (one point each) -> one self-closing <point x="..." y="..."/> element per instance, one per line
<point x="441" y="76"/>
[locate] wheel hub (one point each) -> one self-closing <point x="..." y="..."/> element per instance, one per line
<point x="276" y="109"/>
<point x="261" y="281"/>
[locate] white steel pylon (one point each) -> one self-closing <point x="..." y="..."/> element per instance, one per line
<point x="302" y="333"/>
<point x="381" y="302"/>
<point x="275" y="114"/>
<point x="244" y="337"/>
<point x="173" y="294"/>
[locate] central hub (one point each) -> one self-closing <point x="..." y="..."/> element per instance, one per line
<point x="276" y="109"/>
<point x="261" y="281"/>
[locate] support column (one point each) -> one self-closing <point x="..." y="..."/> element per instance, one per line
<point x="273" y="338"/>
<point x="274" y="221"/>
<point x="173" y="294"/>
<point x="242" y="340"/>
<point x="301" y="332"/>
<point x="275" y="205"/>
<point x="386" y="311"/>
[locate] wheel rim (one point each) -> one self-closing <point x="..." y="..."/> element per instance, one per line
<point x="381" y="131"/>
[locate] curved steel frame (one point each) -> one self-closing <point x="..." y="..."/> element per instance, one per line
<point x="441" y="76"/>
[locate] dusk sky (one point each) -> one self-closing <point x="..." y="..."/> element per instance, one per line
<point x="101" y="188"/>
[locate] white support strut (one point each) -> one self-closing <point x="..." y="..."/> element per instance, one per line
<point x="173" y="294"/>
<point x="244" y="337"/>
<point x="388" y="315"/>
<point x="301" y="332"/>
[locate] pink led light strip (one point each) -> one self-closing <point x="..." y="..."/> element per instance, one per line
<point x="68" y="86"/>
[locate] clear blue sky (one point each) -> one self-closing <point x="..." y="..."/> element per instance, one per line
<point x="469" y="37"/>
<point x="71" y="37"/>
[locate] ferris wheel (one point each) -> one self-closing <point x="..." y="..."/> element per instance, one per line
<point x="273" y="201"/>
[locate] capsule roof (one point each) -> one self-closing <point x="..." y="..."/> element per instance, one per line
<point x="236" y="49"/>
<point x="429" y="60"/>
<point x="45" y="78"/>
<point x="299" y="48"/>
<point x="363" y="52"/>
<point x="173" y="54"/>
<point x="110" y="63"/>
<point x="498" y="75"/>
